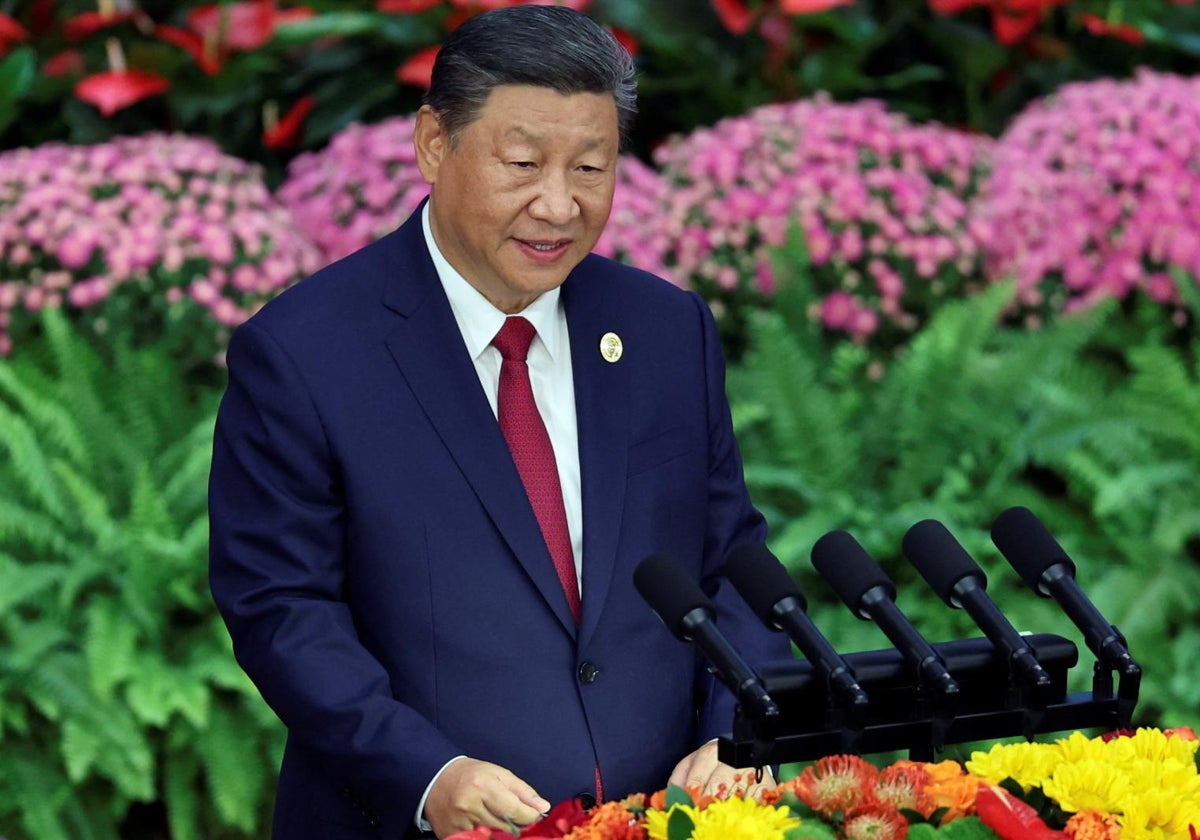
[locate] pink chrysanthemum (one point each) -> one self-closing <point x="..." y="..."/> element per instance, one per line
<point x="881" y="202"/>
<point x="160" y="232"/>
<point x="1095" y="192"/>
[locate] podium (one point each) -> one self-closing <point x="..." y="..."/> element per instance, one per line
<point x="902" y="714"/>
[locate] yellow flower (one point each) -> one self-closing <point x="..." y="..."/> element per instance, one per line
<point x="657" y="821"/>
<point x="1156" y="746"/>
<point x="1087" y="785"/>
<point x="1079" y="747"/>
<point x="1029" y="764"/>
<point x="736" y="818"/>
<point x="1156" y="815"/>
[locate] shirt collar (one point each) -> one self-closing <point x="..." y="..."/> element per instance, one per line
<point x="477" y="318"/>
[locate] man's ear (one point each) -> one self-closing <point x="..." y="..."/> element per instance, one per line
<point x="430" y="142"/>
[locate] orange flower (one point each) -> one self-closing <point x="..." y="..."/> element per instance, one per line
<point x="1092" y="825"/>
<point x="903" y="786"/>
<point x="836" y="783"/>
<point x="948" y="787"/>
<point x="875" y="824"/>
<point x="609" y="821"/>
<point x="658" y="799"/>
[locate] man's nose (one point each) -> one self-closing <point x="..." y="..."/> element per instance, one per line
<point x="555" y="202"/>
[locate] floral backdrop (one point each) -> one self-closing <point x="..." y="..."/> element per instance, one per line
<point x="953" y="246"/>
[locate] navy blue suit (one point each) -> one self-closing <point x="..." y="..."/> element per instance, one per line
<point x="383" y="577"/>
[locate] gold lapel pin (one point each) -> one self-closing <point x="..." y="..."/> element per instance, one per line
<point x="611" y="347"/>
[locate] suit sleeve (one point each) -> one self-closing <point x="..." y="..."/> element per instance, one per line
<point x="277" y="565"/>
<point x="732" y="521"/>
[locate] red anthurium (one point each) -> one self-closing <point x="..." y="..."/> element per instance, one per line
<point x="735" y="15"/>
<point x="1009" y="817"/>
<point x="10" y="32"/>
<point x="87" y="24"/>
<point x="626" y="39"/>
<point x="203" y="52"/>
<point x="810" y="7"/>
<point x="244" y="25"/>
<point x="1122" y="31"/>
<point x="284" y="133"/>
<point x="65" y="63"/>
<point x="418" y="70"/>
<point x="405" y="7"/>
<point x="116" y="89"/>
<point x="953" y="7"/>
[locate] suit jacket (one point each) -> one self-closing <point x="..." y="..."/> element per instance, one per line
<point x="381" y="571"/>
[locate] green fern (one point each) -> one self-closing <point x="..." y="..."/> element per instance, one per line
<point x="112" y="657"/>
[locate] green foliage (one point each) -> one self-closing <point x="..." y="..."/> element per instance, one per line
<point x="1088" y="423"/>
<point x="122" y="711"/>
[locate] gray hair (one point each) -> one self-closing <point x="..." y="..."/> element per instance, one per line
<point x="544" y="46"/>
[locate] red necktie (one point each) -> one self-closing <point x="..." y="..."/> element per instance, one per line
<point x="529" y="443"/>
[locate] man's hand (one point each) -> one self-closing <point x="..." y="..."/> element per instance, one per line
<point x="471" y="792"/>
<point x="702" y="770"/>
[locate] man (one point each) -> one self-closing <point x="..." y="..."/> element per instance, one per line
<point x="427" y="572"/>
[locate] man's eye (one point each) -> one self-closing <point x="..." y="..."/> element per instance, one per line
<point x="522" y="164"/>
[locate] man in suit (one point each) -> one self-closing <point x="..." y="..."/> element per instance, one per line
<point x="423" y="539"/>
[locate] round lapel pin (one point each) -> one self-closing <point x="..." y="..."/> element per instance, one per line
<point x="611" y="347"/>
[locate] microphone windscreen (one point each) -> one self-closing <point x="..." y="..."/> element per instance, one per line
<point x="1028" y="546"/>
<point x="848" y="569"/>
<point x="940" y="559"/>
<point x="761" y="580"/>
<point x="670" y="591"/>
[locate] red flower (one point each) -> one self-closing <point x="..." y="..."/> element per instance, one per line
<point x="1012" y="20"/>
<point x="405" y="7"/>
<point x="418" y="70"/>
<point x="626" y="39"/>
<point x="87" y="24"/>
<point x="203" y="51"/>
<point x="558" y="823"/>
<point x="811" y="7"/>
<point x="284" y="132"/>
<point x="10" y="32"/>
<point x="875" y="824"/>
<point x="244" y="25"/>
<point x="65" y="63"/>
<point x="1122" y="31"/>
<point x="116" y="89"/>
<point x="1009" y="817"/>
<point x="735" y="15"/>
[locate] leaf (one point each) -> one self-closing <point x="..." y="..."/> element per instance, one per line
<point x="17" y="72"/>
<point x="677" y="795"/>
<point x="680" y="825"/>
<point x="110" y="647"/>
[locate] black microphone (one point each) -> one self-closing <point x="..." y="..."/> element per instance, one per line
<point x="958" y="580"/>
<point x="689" y="615"/>
<point x="775" y="598"/>
<point x="870" y="594"/>
<point x="1041" y="561"/>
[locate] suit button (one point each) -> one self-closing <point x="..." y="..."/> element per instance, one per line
<point x="588" y="673"/>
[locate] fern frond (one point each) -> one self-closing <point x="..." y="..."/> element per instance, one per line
<point x="228" y="749"/>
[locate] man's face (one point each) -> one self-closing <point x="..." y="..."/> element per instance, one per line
<point x="524" y="193"/>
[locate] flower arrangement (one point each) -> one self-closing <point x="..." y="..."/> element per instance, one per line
<point x="1095" y="192"/>
<point x="881" y="202"/>
<point x="161" y="233"/>
<point x="1121" y="786"/>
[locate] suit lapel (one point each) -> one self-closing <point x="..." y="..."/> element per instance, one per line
<point x="431" y="357"/>
<point x="602" y="414"/>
